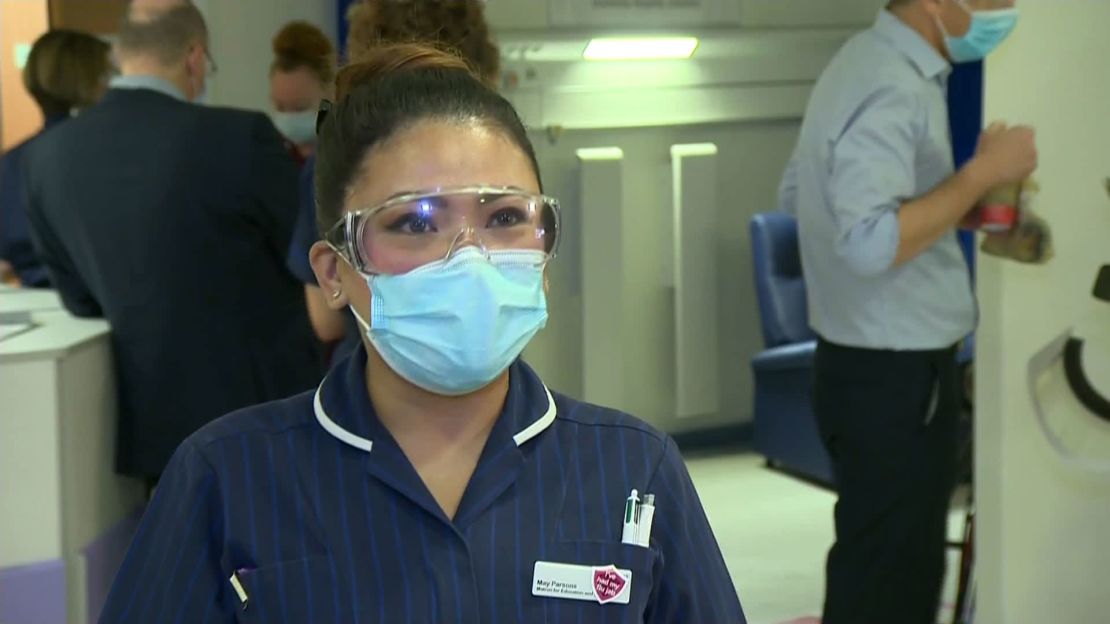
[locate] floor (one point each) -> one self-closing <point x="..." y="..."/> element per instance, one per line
<point x="774" y="531"/>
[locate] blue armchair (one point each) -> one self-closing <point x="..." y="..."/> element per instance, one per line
<point x="785" y="428"/>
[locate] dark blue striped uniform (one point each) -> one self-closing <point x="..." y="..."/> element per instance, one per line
<point x="325" y="520"/>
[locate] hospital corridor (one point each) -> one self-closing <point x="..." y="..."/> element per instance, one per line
<point x="563" y="311"/>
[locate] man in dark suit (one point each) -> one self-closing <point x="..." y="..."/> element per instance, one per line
<point x="172" y="221"/>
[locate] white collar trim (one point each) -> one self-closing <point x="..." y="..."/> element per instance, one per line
<point x="364" y="444"/>
<point x="334" y="429"/>
<point x="544" y="421"/>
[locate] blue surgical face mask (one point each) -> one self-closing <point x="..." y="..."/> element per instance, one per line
<point x="453" y="326"/>
<point x="988" y="30"/>
<point x="201" y="97"/>
<point x="299" y="127"/>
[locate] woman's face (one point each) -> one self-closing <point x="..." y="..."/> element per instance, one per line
<point x="295" y="91"/>
<point x="426" y="156"/>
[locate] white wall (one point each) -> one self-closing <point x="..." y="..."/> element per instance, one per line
<point x="1043" y="543"/>
<point x="241" y="31"/>
<point x="751" y="158"/>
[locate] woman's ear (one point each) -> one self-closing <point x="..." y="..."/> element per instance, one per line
<point x="325" y="264"/>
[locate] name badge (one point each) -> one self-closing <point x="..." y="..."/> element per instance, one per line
<point x="602" y="584"/>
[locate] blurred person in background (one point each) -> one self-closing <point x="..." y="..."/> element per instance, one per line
<point x="300" y="77"/>
<point x="878" y="202"/>
<point x="455" y="25"/>
<point x="172" y="221"/>
<point x="65" y="72"/>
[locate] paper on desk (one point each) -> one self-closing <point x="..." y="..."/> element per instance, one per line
<point x="7" y="331"/>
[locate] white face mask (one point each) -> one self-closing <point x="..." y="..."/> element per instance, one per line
<point x="298" y="127"/>
<point x="1068" y="386"/>
<point x="201" y="95"/>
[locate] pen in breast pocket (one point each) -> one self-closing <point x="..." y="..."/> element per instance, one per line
<point x="237" y="585"/>
<point x="647" y="514"/>
<point x="629" y="534"/>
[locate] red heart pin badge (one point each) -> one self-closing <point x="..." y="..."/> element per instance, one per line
<point x="608" y="584"/>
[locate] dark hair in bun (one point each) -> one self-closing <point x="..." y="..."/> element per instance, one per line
<point x="300" y="44"/>
<point x="391" y="88"/>
<point x="458" y="26"/>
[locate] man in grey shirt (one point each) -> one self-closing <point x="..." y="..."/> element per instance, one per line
<point x="873" y="186"/>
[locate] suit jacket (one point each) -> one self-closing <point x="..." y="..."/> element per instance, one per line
<point x="173" y="221"/>
<point x="15" y="233"/>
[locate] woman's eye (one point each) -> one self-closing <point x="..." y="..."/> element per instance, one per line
<point x="412" y="224"/>
<point x="507" y="217"/>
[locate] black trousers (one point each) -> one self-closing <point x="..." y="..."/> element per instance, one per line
<point x="889" y="420"/>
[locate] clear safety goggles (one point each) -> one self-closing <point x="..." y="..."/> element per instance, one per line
<point x="411" y="230"/>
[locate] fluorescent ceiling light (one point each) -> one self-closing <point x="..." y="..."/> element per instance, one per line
<point x="639" y="48"/>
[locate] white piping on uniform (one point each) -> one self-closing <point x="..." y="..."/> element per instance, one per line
<point x="544" y="422"/>
<point x="364" y="444"/>
<point x="331" y="427"/>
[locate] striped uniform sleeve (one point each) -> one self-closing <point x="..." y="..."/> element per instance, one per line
<point x="172" y="572"/>
<point x="695" y="585"/>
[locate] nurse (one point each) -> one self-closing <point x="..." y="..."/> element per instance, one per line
<point x="432" y="477"/>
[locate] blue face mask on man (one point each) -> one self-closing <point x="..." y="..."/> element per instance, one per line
<point x="298" y="127"/>
<point x="988" y="30"/>
<point x="453" y="326"/>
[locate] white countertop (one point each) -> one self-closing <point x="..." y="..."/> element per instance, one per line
<point x="46" y="330"/>
<point x="28" y="299"/>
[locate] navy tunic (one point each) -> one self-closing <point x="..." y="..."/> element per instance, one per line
<point x="313" y="506"/>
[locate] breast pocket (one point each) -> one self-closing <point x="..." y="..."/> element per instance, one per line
<point x="297" y="591"/>
<point x="586" y="563"/>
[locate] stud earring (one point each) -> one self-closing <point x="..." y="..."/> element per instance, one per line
<point x="336" y="293"/>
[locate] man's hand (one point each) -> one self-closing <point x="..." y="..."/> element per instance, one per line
<point x="1006" y="155"/>
<point x="8" y="276"/>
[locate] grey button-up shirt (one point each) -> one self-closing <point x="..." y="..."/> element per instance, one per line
<point x="875" y="136"/>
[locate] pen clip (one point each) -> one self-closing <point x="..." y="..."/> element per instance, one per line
<point x="237" y="585"/>
<point x="645" y="515"/>
<point x="629" y="526"/>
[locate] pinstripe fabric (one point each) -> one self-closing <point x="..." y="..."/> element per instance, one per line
<point x="321" y="531"/>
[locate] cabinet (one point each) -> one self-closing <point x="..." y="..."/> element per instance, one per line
<point x="630" y="15"/>
<point x="66" y="516"/>
<point x="644" y="14"/>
